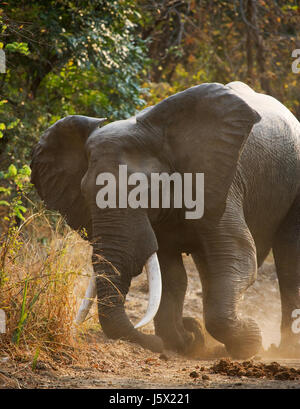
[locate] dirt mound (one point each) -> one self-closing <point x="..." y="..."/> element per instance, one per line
<point x="250" y="369"/>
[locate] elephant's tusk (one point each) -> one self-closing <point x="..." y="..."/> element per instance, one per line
<point x="155" y="288"/>
<point x="87" y="302"/>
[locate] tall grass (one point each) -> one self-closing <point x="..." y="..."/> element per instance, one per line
<point x="41" y="281"/>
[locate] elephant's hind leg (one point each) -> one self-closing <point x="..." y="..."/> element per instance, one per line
<point x="227" y="266"/>
<point x="286" y="250"/>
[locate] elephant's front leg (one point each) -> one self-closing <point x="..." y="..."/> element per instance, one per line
<point x="178" y="333"/>
<point x="228" y="266"/>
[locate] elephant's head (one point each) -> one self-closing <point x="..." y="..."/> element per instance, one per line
<point x="200" y="130"/>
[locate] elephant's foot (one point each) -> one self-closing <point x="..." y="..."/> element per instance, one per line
<point x="187" y="337"/>
<point x="197" y="345"/>
<point x="242" y="338"/>
<point x="178" y="341"/>
<point x="201" y="347"/>
<point x="152" y="342"/>
<point x="246" y="341"/>
<point x="129" y="333"/>
<point x="147" y="341"/>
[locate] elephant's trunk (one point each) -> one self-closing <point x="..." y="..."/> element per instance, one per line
<point x="111" y="298"/>
<point x="155" y="288"/>
<point x="112" y="290"/>
<point x="119" y="253"/>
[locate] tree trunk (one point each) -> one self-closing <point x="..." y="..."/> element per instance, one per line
<point x="251" y="21"/>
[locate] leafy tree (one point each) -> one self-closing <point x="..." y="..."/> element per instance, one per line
<point x="194" y="41"/>
<point x="66" y="57"/>
<point x="96" y="57"/>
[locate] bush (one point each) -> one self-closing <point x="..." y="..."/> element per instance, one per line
<point x="40" y="271"/>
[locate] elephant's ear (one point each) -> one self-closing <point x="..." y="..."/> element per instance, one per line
<point x="204" y="128"/>
<point x="58" y="165"/>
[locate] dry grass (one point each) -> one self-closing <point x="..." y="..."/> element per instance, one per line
<point x="41" y="283"/>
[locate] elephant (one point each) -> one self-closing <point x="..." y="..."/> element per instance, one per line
<point x="247" y="145"/>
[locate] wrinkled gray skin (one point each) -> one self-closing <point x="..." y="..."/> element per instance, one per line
<point x="248" y="146"/>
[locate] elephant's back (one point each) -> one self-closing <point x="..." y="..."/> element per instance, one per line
<point x="273" y="113"/>
<point x="268" y="174"/>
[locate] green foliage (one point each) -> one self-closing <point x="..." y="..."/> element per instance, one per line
<point x="66" y="57"/>
<point x="35" y="359"/>
<point x="37" y="283"/>
<point x="15" y="47"/>
<point x="222" y="41"/>
<point x="17" y="185"/>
